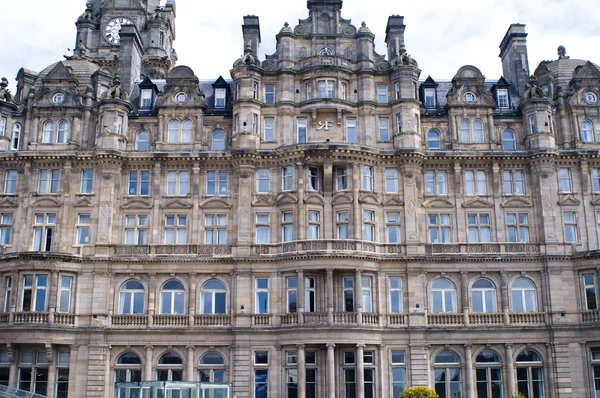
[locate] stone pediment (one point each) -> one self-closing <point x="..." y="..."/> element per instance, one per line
<point x="438" y="202"/>
<point x="287" y="198"/>
<point x="314" y="199"/>
<point x="215" y="203"/>
<point x="596" y="202"/>
<point x="477" y="202"/>
<point x="569" y="200"/>
<point x="587" y="71"/>
<point x="342" y="198"/>
<point x="8" y="201"/>
<point x="517" y="201"/>
<point x="60" y="73"/>
<point x="393" y="201"/>
<point x="84" y="202"/>
<point x="262" y="200"/>
<point x="46" y="202"/>
<point x="370" y="198"/>
<point x="137" y="203"/>
<point x="176" y="204"/>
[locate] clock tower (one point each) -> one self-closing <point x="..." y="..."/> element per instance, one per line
<point x="133" y="38"/>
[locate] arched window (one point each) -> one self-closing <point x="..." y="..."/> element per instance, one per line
<point x="179" y="132"/>
<point x="488" y="371"/>
<point x="508" y="140"/>
<point x="169" y="367"/>
<point x="447" y="374"/>
<point x="63" y="132"/>
<point x="465" y="130"/>
<point x="211" y="368"/>
<point x="186" y="131"/>
<point x="172" y="298"/>
<point x="483" y="294"/>
<point x="478" y="131"/>
<point x="173" y="128"/>
<point x="218" y="140"/>
<point x="587" y="131"/>
<point x="530" y="374"/>
<point x="131" y="298"/>
<point x="443" y="296"/>
<point x="128" y="368"/>
<point x="523" y="296"/>
<point x="433" y="139"/>
<point x="16" y="137"/>
<point x="214" y="297"/>
<point x="142" y="141"/>
<point x="48" y="132"/>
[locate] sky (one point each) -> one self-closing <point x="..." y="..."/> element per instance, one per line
<point x="442" y="35"/>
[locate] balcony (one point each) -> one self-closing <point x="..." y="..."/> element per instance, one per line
<point x="591" y="316"/>
<point x="171" y="250"/>
<point x="485" y="319"/>
<point x="482" y="248"/>
<point x="329" y="246"/>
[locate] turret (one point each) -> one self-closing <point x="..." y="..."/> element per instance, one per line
<point x="537" y="117"/>
<point x="113" y="113"/>
<point x="513" y="52"/>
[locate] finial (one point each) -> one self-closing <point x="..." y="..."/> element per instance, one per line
<point x="286" y="25"/>
<point x="562" y="52"/>
<point x="363" y="24"/>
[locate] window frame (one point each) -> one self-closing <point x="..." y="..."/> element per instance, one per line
<point x="177" y="230"/>
<point x="442" y="230"/>
<point x="11" y="177"/>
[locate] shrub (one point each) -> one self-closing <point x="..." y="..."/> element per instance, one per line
<point x="517" y="395"/>
<point x="419" y="392"/>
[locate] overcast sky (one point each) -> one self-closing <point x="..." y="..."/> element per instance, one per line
<point x="442" y="35"/>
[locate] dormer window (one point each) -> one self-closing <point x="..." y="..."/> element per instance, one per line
<point x="146" y="98"/>
<point x="220" y="97"/>
<point x="58" y="98"/>
<point x="429" y="98"/>
<point x="590" y="97"/>
<point x="180" y="98"/>
<point x="502" y="98"/>
<point x="470" y="97"/>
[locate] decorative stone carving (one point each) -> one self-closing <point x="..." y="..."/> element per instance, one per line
<point x="248" y="58"/>
<point x="115" y="91"/>
<point x="562" y="52"/>
<point x="5" y="94"/>
<point x="533" y="90"/>
<point x="88" y="14"/>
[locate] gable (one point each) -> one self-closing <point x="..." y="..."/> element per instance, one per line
<point x="314" y="199"/>
<point x="176" y="204"/>
<point x="517" y="201"/>
<point x="286" y="198"/>
<point x="342" y="198"/>
<point x="84" y="202"/>
<point x="569" y="200"/>
<point x="215" y="203"/>
<point x="369" y="198"/>
<point x="46" y="202"/>
<point x="438" y="202"/>
<point x="477" y="202"/>
<point x="137" y="203"/>
<point x="60" y="73"/>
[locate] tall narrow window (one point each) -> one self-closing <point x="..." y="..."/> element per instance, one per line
<point x="587" y="131"/>
<point x="262" y="295"/>
<point x="344" y="91"/>
<point x="43" y="232"/>
<point x="447" y="375"/>
<point x="351" y="131"/>
<point x="395" y="295"/>
<point x="365" y="286"/>
<point x="369" y="225"/>
<point x="263" y="230"/>
<point x="399" y="124"/>
<point x="488" y="372"/>
<point x="301" y="132"/>
<point x="269" y="94"/>
<point x="310" y="298"/>
<point x="341" y="178"/>
<point x="392" y="227"/>
<point x="508" y="140"/>
<point x="218" y="140"/>
<point x="176" y="229"/>
<point x="255" y="123"/>
<point x="10" y="182"/>
<point x="589" y="291"/>
<point x="398" y="372"/>
<point x="382" y="94"/>
<point x="308" y="91"/>
<point x="391" y="180"/>
<point x="502" y="98"/>
<point x="119" y="124"/>
<point x="348" y="294"/>
<point x="429" y="98"/>
<point x="384" y="129"/>
<point x="146" y="99"/>
<point x="367" y="178"/>
<point x="87" y="181"/>
<point x="443" y="296"/>
<point x="397" y="91"/>
<point x="286" y="178"/>
<point x="220" y="98"/>
<point x="287" y="226"/>
<point x="255" y="90"/>
<point x="7" y="297"/>
<point x="6" y="221"/>
<point x="465" y="130"/>
<point x="142" y="141"/>
<point x="530" y="374"/>
<point x="314" y="179"/>
<point x="570" y="225"/>
<point x="565" y="182"/>
<point x="16" y="137"/>
<point x="314" y="225"/>
<point x="517" y="227"/>
<point x="342" y="225"/>
<point x="532" y="125"/>
<point x="63" y="132"/>
<point x="3" y="122"/>
<point x="292" y="294"/>
<point x="215" y="229"/>
<point x="263" y="181"/>
<point x="84" y="224"/>
<point x="269" y="129"/>
<point x="64" y="294"/>
<point x="261" y="374"/>
<point x="433" y="139"/>
<point x="523" y="296"/>
<point x="595" y="180"/>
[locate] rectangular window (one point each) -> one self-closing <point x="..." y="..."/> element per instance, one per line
<point x="596" y="180"/>
<point x="475" y="182"/>
<point x="10" y="182"/>
<point x="136" y="230"/>
<point x="262" y="295"/>
<point x="6" y="221"/>
<point x="326" y="88"/>
<point x="62" y="374"/>
<point x="502" y="97"/>
<point x="589" y="291"/>
<point x="215" y="229"/>
<point x="310" y="297"/>
<point x="119" y="126"/>
<point x="87" y="181"/>
<point x="217" y="183"/>
<point x="301" y="130"/>
<point x="367" y="178"/>
<point x="263" y="229"/>
<point x="367" y="303"/>
<point x="348" y="292"/>
<point x="292" y="294"/>
<point x="263" y="181"/>
<point x="351" y="130"/>
<point x="176" y="229"/>
<point x="429" y="98"/>
<point x="392" y="227"/>
<point x="255" y="90"/>
<point x="84" y="225"/>
<point x="314" y="179"/>
<point x="439" y="228"/>
<point x="48" y="181"/>
<point x="397" y="91"/>
<point x="369" y="225"/>
<point x="517" y="227"/>
<point x="565" y="181"/>
<point x="269" y="94"/>
<point x="308" y="91"/>
<point x="261" y="383"/>
<point x="341" y="178"/>
<point x="369" y="386"/>
<point x="570" y="224"/>
<point x="391" y="180"/>
<point x="43" y="232"/>
<point x="139" y="183"/>
<point x="382" y="94"/>
<point x="34" y="377"/>
<point x="146" y="99"/>
<point x="384" y="129"/>
<point x="398" y="124"/>
<point x="220" y="97"/>
<point x="398" y="372"/>
<point x="342" y="225"/>
<point x="287" y="180"/>
<point x="64" y="294"/>
<point x="314" y="225"/>
<point x="344" y="92"/>
<point x="478" y="228"/>
<point x="292" y="382"/>
<point x="34" y="293"/>
<point x="7" y="296"/>
<point x="532" y="125"/>
<point x="255" y="123"/>
<point x="178" y="183"/>
<point x="396" y="295"/>
<point x="513" y="182"/>
<point x="350" y="383"/>
<point x="287" y="226"/>
<point x="2" y="126"/>
<point x="269" y="129"/>
<point x="436" y="183"/>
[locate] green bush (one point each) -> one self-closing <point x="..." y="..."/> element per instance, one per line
<point x="419" y="392"/>
<point x="517" y="395"/>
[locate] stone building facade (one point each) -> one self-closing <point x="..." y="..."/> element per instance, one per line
<point x="327" y="223"/>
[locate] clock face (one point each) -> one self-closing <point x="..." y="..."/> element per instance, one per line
<point x="113" y="27"/>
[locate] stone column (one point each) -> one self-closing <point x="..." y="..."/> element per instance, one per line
<point x="464" y="293"/>
<point x="510" y="369"/>
<point x="358" y="296"/>
<point x="469" y="371"/>
<point x="300" y="232"/>
<point x="356" y="217"/>
<point x="504" y="297"/>
<point x="190" y="364"/>
<point x="331" y="370"/>
<point x="329" y="296"/>
<point x="107" y="385"/>
<point x="360" y="371"/>
<point x="72" y="371"/>
<point x="52" y="286"/>
<point x="148" y="364"/>
<point x="301" y="371"/>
